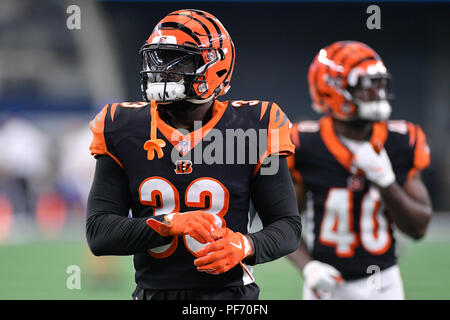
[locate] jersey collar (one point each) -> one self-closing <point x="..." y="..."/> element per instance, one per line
<point x="342" y="154"/>
<point x="193" y="138"/>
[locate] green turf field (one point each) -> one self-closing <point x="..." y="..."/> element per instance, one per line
<point x="38" y="271"/>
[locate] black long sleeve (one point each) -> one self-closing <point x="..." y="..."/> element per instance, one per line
<point x="109" y="231"/>
<point x="275" y="201"/>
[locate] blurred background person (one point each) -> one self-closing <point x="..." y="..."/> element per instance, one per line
<point x="23" y="163"/>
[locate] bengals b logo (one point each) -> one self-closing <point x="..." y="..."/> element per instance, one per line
<point x="183" y="166"/>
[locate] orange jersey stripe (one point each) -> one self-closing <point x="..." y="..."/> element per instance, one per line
<point x="264" y="106"/>
<point x="98" y="145"/>
<point x="113" y="110"/>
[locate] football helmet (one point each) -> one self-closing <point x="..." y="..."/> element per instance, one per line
<point x="188" y="56"/>
<point x="349" y="81"/>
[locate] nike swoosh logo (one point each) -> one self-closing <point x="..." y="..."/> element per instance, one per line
<point x="169" y="217"/>
<point x="239" y="246"/>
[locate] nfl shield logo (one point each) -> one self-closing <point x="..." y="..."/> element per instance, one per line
<point x="355" y="183"/>
<point x="184" y="146"/>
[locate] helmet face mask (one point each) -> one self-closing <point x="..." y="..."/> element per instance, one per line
<point x="371" y="88"/>
<point x="189" y="56"/>
<point x="371" y="96"/>
<point x="172" y="65"/>
<point x="169" y="72"/>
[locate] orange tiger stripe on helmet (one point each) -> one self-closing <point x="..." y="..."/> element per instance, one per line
<point x="349" y="56"/>
<point x="212" y="26"/>
<point x="192" y="19"/>
<point x="184" y="27"/>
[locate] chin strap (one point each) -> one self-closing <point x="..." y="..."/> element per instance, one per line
<point x="200" y="101"/>
<point x="154" y="145"/>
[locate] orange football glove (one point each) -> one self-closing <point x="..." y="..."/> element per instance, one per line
<point x="223" y="254"/>
<point x="198" y="224"/>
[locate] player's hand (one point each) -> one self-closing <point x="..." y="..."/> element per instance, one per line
<point x="197" y="224"/>
<point x="321" y="278"/>
<point x="223" y="254"/>
<point x="376" y="166"/>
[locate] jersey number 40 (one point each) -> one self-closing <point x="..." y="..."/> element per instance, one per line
<point x="337" y="223"/>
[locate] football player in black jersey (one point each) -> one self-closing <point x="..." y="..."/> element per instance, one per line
<point x="188" y="165"/>
<point x="361" y="176"/>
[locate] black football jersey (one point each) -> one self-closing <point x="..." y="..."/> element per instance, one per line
<point x="200" y="170"/>
<point x="348" y="225"/>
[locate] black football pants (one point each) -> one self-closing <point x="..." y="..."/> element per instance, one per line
<point x="247" y="292"/>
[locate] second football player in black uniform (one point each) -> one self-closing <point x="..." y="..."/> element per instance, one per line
<point x="362" y="174"/>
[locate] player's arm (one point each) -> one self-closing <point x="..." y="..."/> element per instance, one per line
<point x="319" y="276"/>
<point x="297" y="181"/>
<point x="275" y="201"/>
<point x="409" y="206"/>
<point x="109" y="231"/>
<point x="300" y="256"/>
<point x="274" y="197"/>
